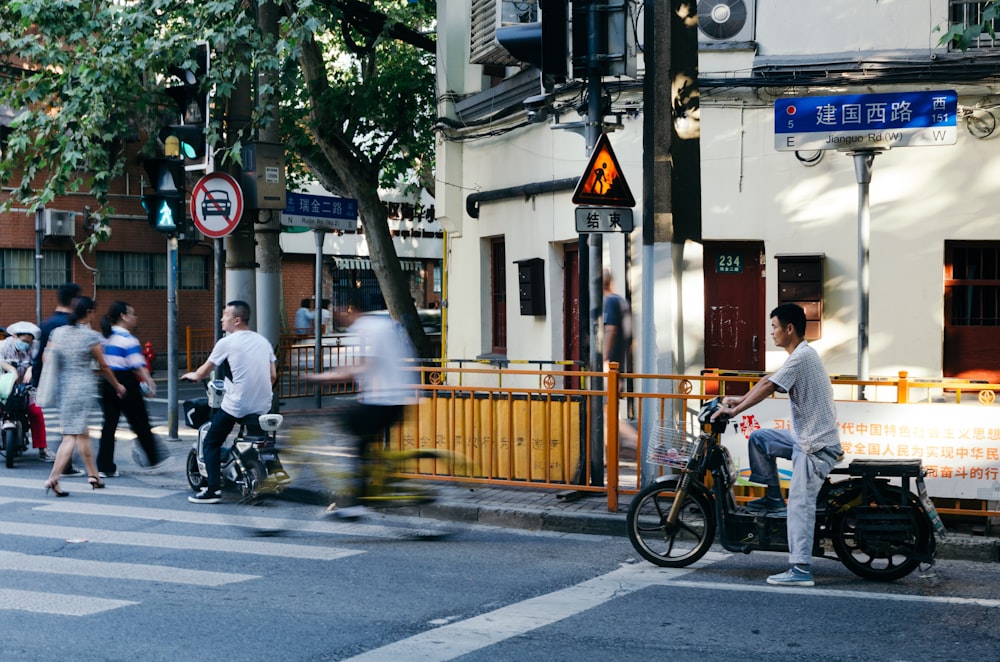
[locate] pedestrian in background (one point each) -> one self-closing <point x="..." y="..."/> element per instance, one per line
<point x="66" y="295"/>
<point x="17" y="350"/>
<point x="123" y="354"/>
<point x="304" y="317"/>
<point x="617" y="344"/>
<point x="72" y="350"/>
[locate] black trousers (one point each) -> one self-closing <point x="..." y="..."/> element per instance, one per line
<point x="369" y="424"/>
<point x="134" y="407"/>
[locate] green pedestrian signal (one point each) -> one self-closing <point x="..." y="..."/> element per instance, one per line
<point x="165" y="205"/>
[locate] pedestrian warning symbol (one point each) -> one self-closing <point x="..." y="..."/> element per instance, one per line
<point x="603" y="182"/>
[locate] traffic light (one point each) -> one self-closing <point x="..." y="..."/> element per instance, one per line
<point x="187" y="138"/>
<point x="544" y="42"/>
<point x="614" y="35"/>
<point x="165" y="206"/>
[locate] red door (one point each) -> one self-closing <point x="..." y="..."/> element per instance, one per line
<point x="735" y="319"/>
<point x="571" y="308"/>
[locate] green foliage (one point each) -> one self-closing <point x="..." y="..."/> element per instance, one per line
<point x="83" y="77"/>
<point x="963" y="37"/>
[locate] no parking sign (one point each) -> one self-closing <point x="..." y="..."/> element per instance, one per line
<point x="216" y="204"/>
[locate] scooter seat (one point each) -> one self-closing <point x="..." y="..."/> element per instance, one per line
<point x="864" y="467"/>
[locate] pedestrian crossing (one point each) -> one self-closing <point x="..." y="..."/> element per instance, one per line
<point x="217" y="538"/>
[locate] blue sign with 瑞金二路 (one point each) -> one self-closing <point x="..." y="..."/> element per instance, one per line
<point x="320" y="212"/>
<point x="866" y="121"/>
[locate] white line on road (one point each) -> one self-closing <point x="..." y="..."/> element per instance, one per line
<point x="56" y="565"/>
<point x="72" y="484"/>
<point x="463" y="637"/>
<point x="226" y="515"/>
<point x="57" y="603"/>
<point x="167" y="541"/>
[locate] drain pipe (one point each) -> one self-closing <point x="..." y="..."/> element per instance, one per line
<point x="473" y="200"/>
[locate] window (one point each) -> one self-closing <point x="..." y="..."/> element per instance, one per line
<point x="965" y="13"/>
<point x="437" y="278"/>
<point x="148" y="271"/>
<point x="17" y="268"/>
<point x="972" y="283"/>
<point x="498" y="295"/>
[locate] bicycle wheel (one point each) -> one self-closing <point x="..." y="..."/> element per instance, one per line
<point x="881" y="550"/>
<point x="657" y="541"/>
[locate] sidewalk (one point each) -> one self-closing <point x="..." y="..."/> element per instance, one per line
<point x="545" y="510"/>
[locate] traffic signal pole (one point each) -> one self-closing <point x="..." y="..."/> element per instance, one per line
<point x="595" y="241"/>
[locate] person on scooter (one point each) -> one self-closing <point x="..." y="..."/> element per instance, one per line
<point x="252" y="371"/>
<point x="16" y="350"/>
<point x="385" y="387"/>
<point x="813" y="443"/>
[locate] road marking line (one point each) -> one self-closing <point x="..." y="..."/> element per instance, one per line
<point x="225" y="516"/>
<point x="463" y="637"/>
<point x="57" y="603"/>
<point x="457" y="639"/>
<point x="837" y="593"/>
<point x="70" y="484"/>
<point x="57" y="565"/>
<point x="189" y="543"/>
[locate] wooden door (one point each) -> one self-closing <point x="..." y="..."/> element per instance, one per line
<point x="571" y="307"/>
<point x="735" y="319"/>
<point x="972" y="310"/>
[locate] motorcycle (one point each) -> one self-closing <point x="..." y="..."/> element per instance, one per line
<point x="249" y="459"/>
<point x="875" y="525"/>
<point x="14" y="425"/>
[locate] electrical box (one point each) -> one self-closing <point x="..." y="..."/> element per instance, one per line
<point x="57" y="223"/>
<point x="800" y="280"/>
<point x="531" y="285"/>
<point x="263" y="178"/>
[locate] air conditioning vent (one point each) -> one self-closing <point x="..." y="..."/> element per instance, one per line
<point x="59" y="223"/>
<point x="725" y="21"/>
<point x="487" y="16"/>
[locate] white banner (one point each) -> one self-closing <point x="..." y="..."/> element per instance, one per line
<point x="958" y="444"/>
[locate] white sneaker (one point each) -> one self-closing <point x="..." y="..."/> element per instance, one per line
<point x="351" y="512"/>
<point x="206" y="497"/>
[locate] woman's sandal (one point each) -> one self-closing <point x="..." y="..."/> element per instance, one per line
<point x="95" y="483"/>
<point x="54" y="486"/>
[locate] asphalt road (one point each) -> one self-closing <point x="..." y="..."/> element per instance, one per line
<point x="135" y="572"/>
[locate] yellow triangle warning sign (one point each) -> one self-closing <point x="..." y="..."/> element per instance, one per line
<point x="603" y="182"/>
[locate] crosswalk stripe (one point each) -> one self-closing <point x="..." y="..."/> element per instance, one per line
<point x="110" y="570"/>
<point x="170" y="541"/>
<point x="229" y="518"/>
<point x="69" y="484"/>
<point x="57" y="603"/>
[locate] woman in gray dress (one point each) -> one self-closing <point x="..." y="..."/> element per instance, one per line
<point x="73" y="350"/>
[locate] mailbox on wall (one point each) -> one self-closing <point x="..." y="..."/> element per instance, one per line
<point x="531" y="285"/>
<point x="800" y="280"/>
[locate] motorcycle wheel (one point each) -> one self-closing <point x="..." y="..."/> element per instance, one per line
<point x="878" y="559"/>
<point x="12" y="444"/>
<point x="674" y="546"/>
<point x="252" y="478"/>
<point x="195" y="479"/>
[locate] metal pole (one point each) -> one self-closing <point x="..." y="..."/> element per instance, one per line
<point x="39" y="235"/>
<point x="172" y="338"/>
<point x="220" y="265"/>
<point x="863" y="161"/>
<point x="596" y="244"/>
<point x="319" y="236"/>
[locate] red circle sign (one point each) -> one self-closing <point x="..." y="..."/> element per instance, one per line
<point x="216" y="204"/>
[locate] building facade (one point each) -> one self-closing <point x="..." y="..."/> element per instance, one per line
<point x="774" y="225"/>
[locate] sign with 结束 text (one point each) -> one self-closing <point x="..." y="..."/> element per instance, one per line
<point x="866" y="121"/>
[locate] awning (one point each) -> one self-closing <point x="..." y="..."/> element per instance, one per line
<point x="364" y="263"/>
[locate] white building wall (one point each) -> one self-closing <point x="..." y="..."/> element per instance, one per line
<point x="920" y="197"/>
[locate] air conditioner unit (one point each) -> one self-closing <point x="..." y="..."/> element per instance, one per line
<point x="487" y="16"/>
<point x="59" y="223"/>
<point x="725" y="22"/>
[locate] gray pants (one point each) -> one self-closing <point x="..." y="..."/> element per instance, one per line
<point x="808" y="472"/>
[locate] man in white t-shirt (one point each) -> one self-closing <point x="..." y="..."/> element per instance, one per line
<point x="386" y="384"/>
<point x="252" y="370"/>
<point x="813" y="443"/>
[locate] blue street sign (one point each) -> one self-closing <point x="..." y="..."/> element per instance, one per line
<point x="865" y="121"/>
<point x="320" y="212"/>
